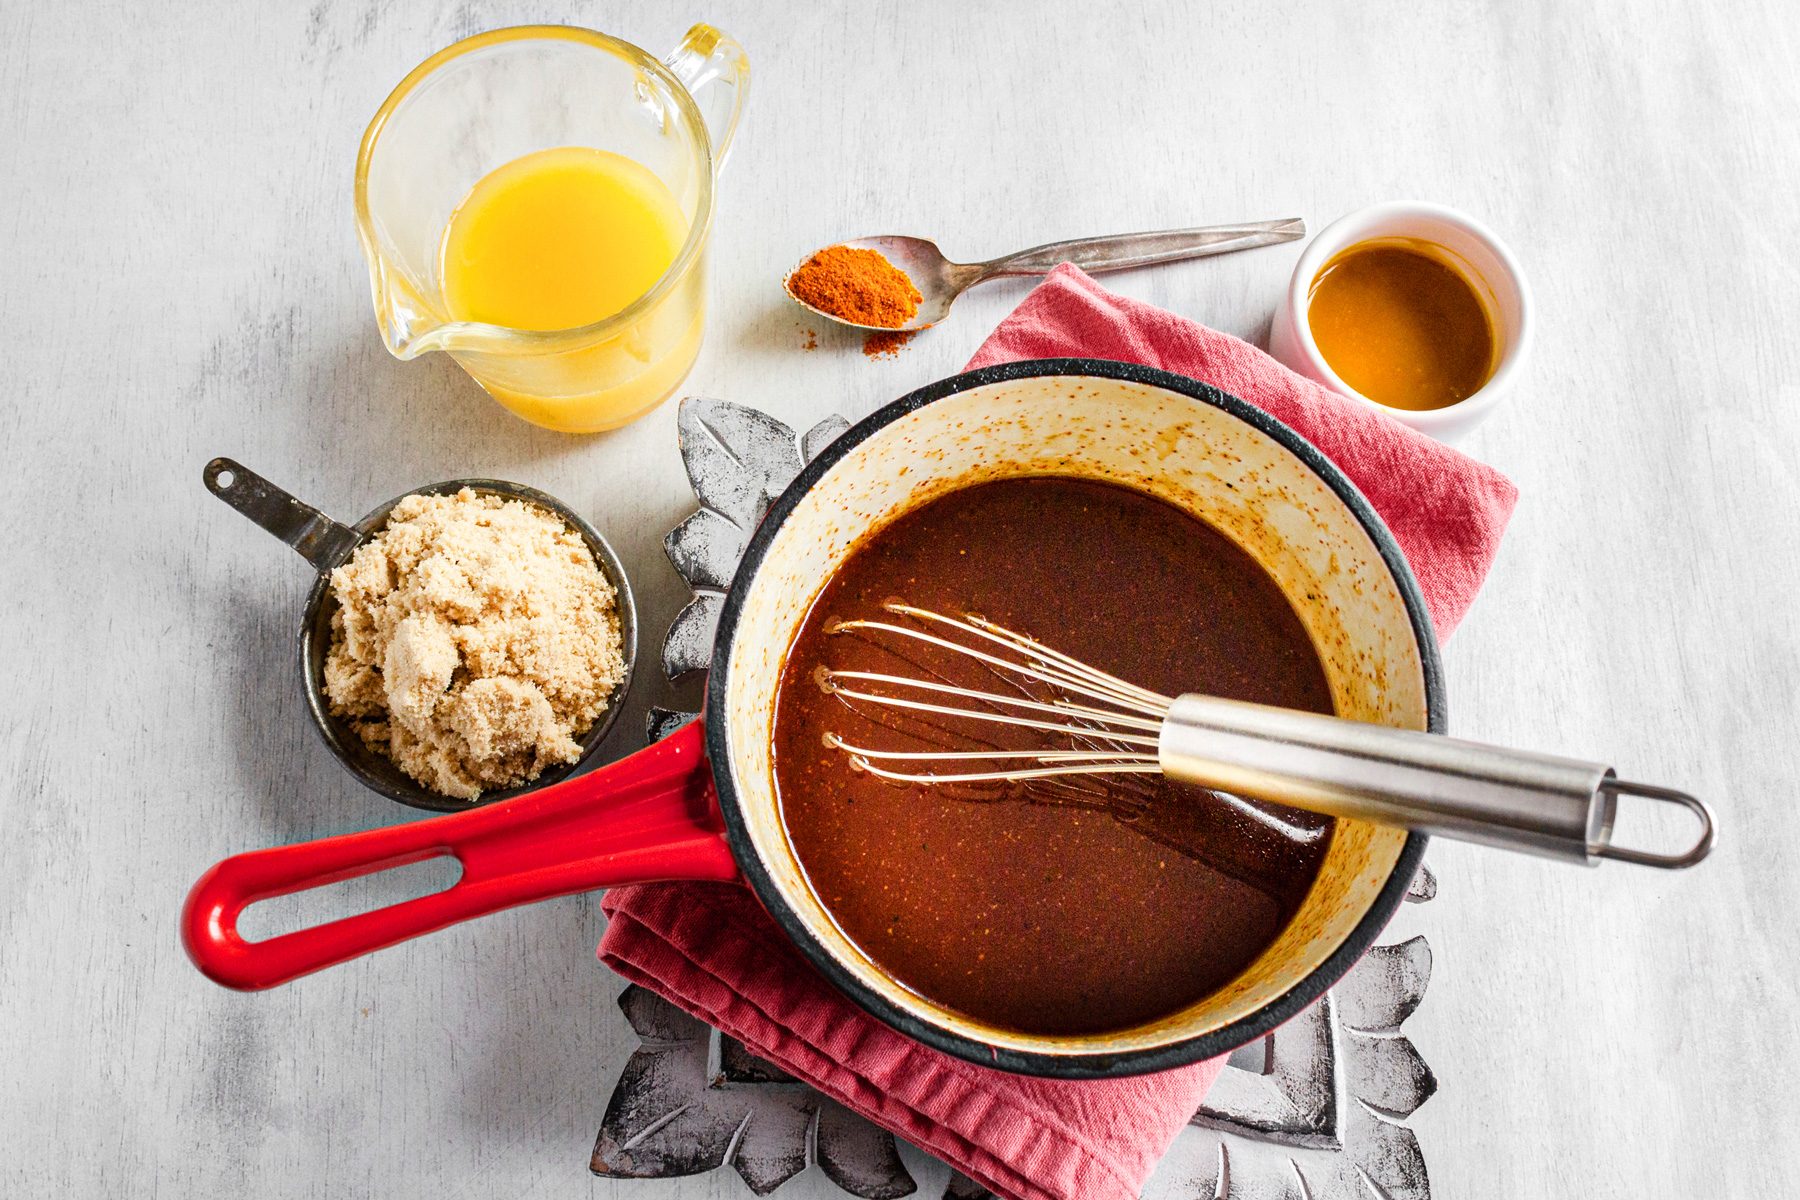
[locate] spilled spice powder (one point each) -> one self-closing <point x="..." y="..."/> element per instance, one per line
<point x="887" y="343"/>
<point x="856" y="285"/>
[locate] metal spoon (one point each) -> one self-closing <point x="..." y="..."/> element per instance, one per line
<point x="941" y="281"/>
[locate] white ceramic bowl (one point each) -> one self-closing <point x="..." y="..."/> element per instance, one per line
<point x="1485" y="260"/>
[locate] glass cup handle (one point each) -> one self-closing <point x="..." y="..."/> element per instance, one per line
<point x="713" y="68"/>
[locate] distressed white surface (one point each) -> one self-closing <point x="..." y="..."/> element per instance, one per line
<point x="179" y="278"/>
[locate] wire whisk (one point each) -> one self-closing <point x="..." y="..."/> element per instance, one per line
<point x="1088" y="722"/>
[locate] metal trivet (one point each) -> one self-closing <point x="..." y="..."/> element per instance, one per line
<point x="1313" y="1111"/>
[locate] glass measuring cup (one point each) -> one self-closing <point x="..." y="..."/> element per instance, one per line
<point x="495" y="97"/>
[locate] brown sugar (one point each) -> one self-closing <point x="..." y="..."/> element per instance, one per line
<point x="856" y="285"/>
<point x="475" y="642"/>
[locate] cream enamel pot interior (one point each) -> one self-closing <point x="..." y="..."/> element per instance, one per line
<point x="665" y="813"/>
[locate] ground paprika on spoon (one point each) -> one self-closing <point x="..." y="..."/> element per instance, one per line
<point x="856" y="285"/>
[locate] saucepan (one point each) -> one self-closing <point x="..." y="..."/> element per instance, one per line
<point x="702" y="803"/>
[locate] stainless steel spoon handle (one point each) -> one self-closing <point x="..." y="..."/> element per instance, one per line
<point x="321" y="541"/>
<point x="1122" y="250"/>
<point x="1557" y="807"/>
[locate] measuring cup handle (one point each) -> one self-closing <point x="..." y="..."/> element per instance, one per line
<point x="653" y="816"/>
<point x="715" y="71"/>
<point x="320" y="540"/>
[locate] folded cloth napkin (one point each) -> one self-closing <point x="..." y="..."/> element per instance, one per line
<point x="711" y="950"/>
<point x="1446" y="510"/>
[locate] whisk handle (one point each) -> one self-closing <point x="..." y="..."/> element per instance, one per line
<point x="1517" y="800"/>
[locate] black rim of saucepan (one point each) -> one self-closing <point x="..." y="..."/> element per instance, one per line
<point x="375" y="771"/>
<point x="1077" y="1065"/>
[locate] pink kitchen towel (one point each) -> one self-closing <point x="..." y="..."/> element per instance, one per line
<point x="711" y="950"/>
<point x="1446" y="510"/>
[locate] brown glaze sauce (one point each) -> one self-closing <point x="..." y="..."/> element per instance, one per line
<point x="1050" y="907"/>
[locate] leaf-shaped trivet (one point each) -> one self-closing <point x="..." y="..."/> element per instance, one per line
<point x="691" y="1100"/>
<point x="738" y="460"/>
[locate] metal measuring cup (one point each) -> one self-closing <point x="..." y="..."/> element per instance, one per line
<point x="326" y="544"/>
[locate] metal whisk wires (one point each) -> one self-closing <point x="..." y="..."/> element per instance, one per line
<point x="1101" y="724"/>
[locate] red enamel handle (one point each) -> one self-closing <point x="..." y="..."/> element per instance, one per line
<point x="653" y="816"/>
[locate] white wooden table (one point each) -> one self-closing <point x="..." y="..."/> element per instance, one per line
<point x="179" y="278"/>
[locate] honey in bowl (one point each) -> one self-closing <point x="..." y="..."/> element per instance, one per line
<point x="1402" y="325"/>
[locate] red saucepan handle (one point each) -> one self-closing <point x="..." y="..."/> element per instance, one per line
<point x="653" y="816"/>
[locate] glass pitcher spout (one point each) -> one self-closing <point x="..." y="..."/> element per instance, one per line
<point x="409" y="325"/>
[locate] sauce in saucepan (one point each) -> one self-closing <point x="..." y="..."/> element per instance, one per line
<point x="1057" y="907"/>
